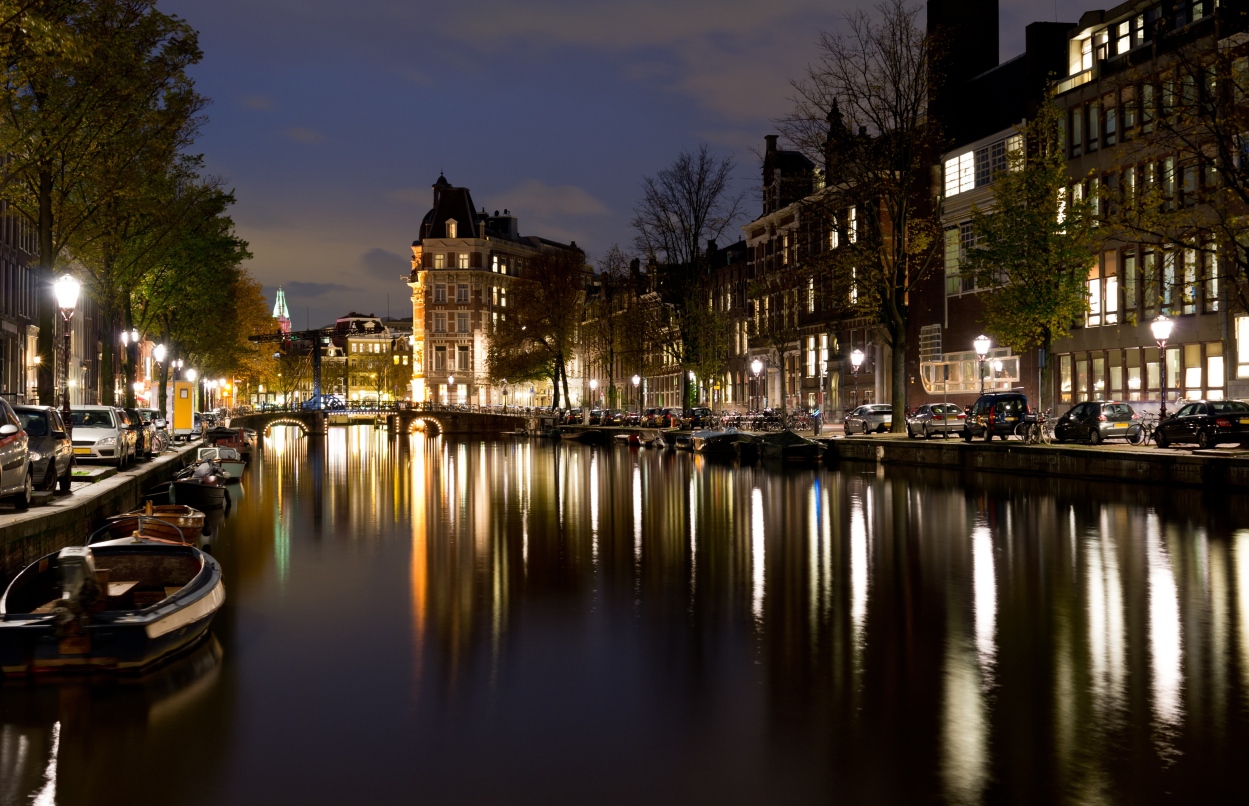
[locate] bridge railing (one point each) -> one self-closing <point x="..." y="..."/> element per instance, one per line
<point x="401" y="406"/>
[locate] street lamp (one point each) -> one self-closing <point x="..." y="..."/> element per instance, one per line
<point x="67" y="289"/>
<point x="1162" y="331"/>
<point x="594" y="391"/>
<point x="982" y="349"/>
<point x="190" y="373"/>
<point x="450" y="388"/>
<point x="636" y="402"/>
<point x="756" y="367"/>
<point x="856" y="361"/>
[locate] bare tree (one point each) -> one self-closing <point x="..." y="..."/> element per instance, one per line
<point x="537" y="335"/>
<point x="682" y="208"/>
<point x="862" y="110"/>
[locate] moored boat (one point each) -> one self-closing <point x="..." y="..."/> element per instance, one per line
<point x="718" y="443"/>
<point x="200" y="486"/>
<point x="121" y="605"/>
<point x="176" y="522"/>
<point x="229" y="459"/>
<point x="789" y="447"/>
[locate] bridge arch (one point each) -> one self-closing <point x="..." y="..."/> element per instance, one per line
<point x="430" y="426"/>
<point x="300" y="424"/>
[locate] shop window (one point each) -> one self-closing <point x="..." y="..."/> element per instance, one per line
<point x="1242" y="346"/>
<point x="1133" y="370"/>
<point x="1064" y="378"/>
<point x="1214" y="370"/>
<point x="1152" y="377"/>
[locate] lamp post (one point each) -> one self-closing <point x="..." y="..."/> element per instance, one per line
<point x="450" y="388"/>
<point x="856" y="361"/>
<point x="636" y="402"/>
<point x="756" y="367"/>
<point x="67" y="289"/>
<point x="982" y="349"/>
<point x="1162" y="331"/>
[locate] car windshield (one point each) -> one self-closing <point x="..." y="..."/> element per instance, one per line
<point x="1228" y="407"/>
<point x="100" y="418"/>
<point x="33" y="423"/>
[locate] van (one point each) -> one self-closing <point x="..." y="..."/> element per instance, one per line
<point x="996" y="414"/>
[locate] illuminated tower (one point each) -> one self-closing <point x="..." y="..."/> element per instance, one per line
<point x="281" y="313"/>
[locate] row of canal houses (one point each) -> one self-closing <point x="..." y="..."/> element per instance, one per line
<point x="790" y="343"/>
<point x="1106" y="73"/>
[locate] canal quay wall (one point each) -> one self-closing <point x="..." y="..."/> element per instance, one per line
<point x="68" y="520"/>
<point x="1212" y="468"/>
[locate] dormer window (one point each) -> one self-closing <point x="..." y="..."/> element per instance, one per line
<point x="452" y="228"/>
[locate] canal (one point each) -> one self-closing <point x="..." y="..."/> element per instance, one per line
<point x="520" y="622"/>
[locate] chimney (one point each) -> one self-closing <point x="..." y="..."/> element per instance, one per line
<point x="771" y="139"/>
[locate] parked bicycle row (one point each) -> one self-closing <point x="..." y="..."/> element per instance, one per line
<point x="1008" y="415"/>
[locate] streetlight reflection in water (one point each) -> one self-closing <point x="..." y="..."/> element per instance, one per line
<point x="538" y="603"/>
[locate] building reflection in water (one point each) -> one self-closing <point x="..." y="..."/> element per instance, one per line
<point x="773" y="634"/>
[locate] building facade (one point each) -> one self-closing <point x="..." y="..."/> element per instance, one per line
<point x="463" y="264"/>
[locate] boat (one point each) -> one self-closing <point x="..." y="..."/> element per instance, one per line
<point x="229" y="459"/>
<point x="236" y="438"/>
<point x="121" y="605"/>
<point x="651" y="437"/>
<point x="631" y="439"/>
<point x="789" y="447"/>
<point x="200" y="486"/>
<point x="718" y="443"/>
<point x="168" y="521"/>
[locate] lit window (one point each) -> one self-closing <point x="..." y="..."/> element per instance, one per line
<point x="462" y="260"/>
<point x="810" y="295"/>
<point x="452" y="228"/>
<point x="854" y="225"/>
<point x="440" y="261"/>
<point x="1242" y="346"/>
<point x="494" y="264"/>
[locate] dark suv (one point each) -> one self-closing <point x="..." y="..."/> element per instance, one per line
<point x="700" y="417"/>
<point x="1097" y="420"/>
<point x="996" y="414"/>
<point x="1206" y="422"/>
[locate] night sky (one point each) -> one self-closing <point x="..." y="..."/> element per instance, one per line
<point x="332" y="119"/>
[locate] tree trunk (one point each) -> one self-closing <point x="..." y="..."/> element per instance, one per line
<point x="46" y="343"/>
<point x="897" y="378"/>
<point x="108" y="367"/>
<point x="563" y="370"/>
<point x="131" y="356"/>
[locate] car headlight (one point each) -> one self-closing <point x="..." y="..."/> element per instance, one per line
<point x="35" y="456"/>
<point x="107" y="441"/>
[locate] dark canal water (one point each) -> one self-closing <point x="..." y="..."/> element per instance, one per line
<point x="502" y="622"/>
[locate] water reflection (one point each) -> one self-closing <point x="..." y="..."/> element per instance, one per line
<point x="528" y="622"/>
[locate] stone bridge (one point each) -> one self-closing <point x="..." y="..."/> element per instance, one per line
<point x="432" y="419"/>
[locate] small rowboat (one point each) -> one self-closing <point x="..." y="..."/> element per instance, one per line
<point x="120" y="605"/>
<point x="176" y="522"/>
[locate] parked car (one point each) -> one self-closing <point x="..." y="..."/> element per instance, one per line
<point x="49" y="448"/>
<point x="996" y="414"/>
<point x="596" y="417"/>
<point x="154" y="417"/>
<point x="614" y="417"/>
<point x="633" y="418"/>
<point x="100" y="432"/>
<point x="670" y="418"/>
<point x="17" y="482"/>
<point x="144" y="433"/>
<point x="698" y="417"/>
<point x="650" y="418"/>
<point x="1207" y="423"/>
<point x="935" y="418"/>
<point x="871" y="417"/>
<point x="197" y="426"/>
<point x="572" y="416"/>
<point x="1096" y="420"/>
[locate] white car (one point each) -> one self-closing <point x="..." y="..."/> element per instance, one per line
<point x="101" y="432"/>
<point x="16" y="477"/>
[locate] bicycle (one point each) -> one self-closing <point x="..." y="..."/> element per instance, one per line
<point x="1035" y="430"/>
<point x="1149" y="424"/>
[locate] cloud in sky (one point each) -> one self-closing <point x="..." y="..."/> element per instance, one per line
<point x="301" y="288"/>
<point x="303" y="135"/>
<point x="385" y="265"/>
